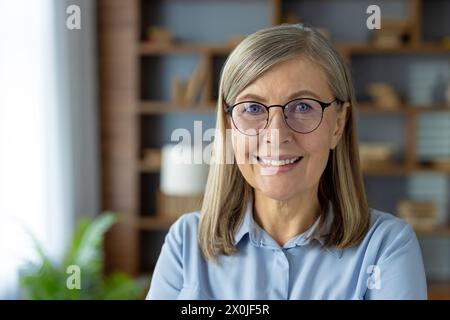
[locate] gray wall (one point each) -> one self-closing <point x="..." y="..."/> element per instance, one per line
<point x="77" y="88"/>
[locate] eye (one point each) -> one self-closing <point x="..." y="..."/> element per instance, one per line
<point x="253" y="108"/>
<point x="302" y="107"/>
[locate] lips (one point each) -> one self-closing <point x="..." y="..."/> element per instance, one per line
<point x="281" y="161"/>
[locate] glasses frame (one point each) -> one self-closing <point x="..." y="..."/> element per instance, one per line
<point x="324" y="105"/>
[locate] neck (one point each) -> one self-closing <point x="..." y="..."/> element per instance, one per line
<point x="283" y="220"/>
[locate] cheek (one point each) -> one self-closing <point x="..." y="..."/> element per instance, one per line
<point x="247" y="172"/>
<point x="320" y="140"/>
<point x="315" y="145"/>
<point x="242" y="146"/>
<point x="317" y="150"/>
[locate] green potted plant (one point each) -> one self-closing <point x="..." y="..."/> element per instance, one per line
<point x="80" y="274"/>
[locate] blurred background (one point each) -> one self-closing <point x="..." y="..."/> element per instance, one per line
<point x="93" y="93"/>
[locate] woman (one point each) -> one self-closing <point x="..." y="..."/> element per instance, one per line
<point x="289" y="218"/>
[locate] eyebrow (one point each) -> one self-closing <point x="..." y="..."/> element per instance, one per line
<point x="296" y="94"/>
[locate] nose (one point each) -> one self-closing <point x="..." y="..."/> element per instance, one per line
<point x="277" y="124"/>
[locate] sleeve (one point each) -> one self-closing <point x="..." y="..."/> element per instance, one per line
<point x="399" y="273"/>
<point x="167" y="278"/>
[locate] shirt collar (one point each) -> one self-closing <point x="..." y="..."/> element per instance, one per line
<point x="317" y="231"/>
<point x="247" y="223"/>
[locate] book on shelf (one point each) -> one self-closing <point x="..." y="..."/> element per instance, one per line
<point x="186" y="93"/>
<point x="195" y="83"/>
<point x="178" y="91"/>
<point x="422" y="215"/>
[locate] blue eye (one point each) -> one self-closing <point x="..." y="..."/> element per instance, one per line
<point x="302" y="107"/>
<point x="254" y="109"/>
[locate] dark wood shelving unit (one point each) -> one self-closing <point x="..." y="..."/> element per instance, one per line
<point x="124" y="109"/>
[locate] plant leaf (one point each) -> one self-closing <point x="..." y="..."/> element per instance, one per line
<point x="120" y="286"/>
<point x="45" y="280"/>
<point x="86" y="251"/>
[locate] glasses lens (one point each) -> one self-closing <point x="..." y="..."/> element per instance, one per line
<point x="303" y="115"/>
<point x="249" y="117"/>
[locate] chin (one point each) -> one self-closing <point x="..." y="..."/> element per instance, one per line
<point x="278" y="193"/>
<point x="278" y="197"/>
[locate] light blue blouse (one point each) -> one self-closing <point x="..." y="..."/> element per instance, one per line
<point x="387" y="264"/>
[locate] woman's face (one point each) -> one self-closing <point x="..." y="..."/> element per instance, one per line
<point x="257" y="161"/>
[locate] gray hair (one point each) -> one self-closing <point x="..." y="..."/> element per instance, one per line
<point x="341" y="184"/>
<point x="268" y="47"/>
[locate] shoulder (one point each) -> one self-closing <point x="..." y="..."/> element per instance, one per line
<point x="187" y="221"/>
<point x="389" y="233"/>
<point x="394" y="259"/>
<point x="184" y="229"/>
<point x="387" y="224"/>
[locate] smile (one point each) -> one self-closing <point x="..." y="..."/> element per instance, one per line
<point x="278" y="163"/>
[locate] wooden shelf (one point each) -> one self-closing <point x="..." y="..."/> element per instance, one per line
<point x="143" y="168"/>
<point x="154" y="223"/>
<point x="156" y="106"/>
<point x="386" y="169"/>
<point x="422" y="168"/>
<point x="160" y="107"/>
<point x="152" y="107"/>
<point x="364" y="107"/>
<point x="442" y="231"/>
<point x="425" y="109"/>
<point x="439" y="290"/>
<point x="362" y="48"/>
<point x="390" y="169"/>
<point x="124" y="176"/>
<point x="146" y="48"/>
<point x="400" y="169"/>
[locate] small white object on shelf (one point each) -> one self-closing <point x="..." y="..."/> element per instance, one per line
<point x="182" y="174"/>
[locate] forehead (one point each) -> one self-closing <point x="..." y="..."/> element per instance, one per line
<point x="285" y="79"/>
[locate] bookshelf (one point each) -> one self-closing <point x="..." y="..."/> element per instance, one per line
<point x="137" y="109"/>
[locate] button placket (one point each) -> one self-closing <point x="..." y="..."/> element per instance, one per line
<point x="281" y="278"/>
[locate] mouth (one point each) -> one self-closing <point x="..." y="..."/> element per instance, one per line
<point x="278" y="163"/>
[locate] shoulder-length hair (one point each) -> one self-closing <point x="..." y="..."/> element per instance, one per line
<point x="341" y="184"/>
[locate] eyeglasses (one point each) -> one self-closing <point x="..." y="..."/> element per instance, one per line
<point x="301" y="115"/>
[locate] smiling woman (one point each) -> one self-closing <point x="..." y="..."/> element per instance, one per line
<point x="289" y="219"/>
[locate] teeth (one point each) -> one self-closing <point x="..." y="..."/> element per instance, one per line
<point x="277" y="163"/>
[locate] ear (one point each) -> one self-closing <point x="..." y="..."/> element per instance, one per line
<point x="339" y="126"/>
